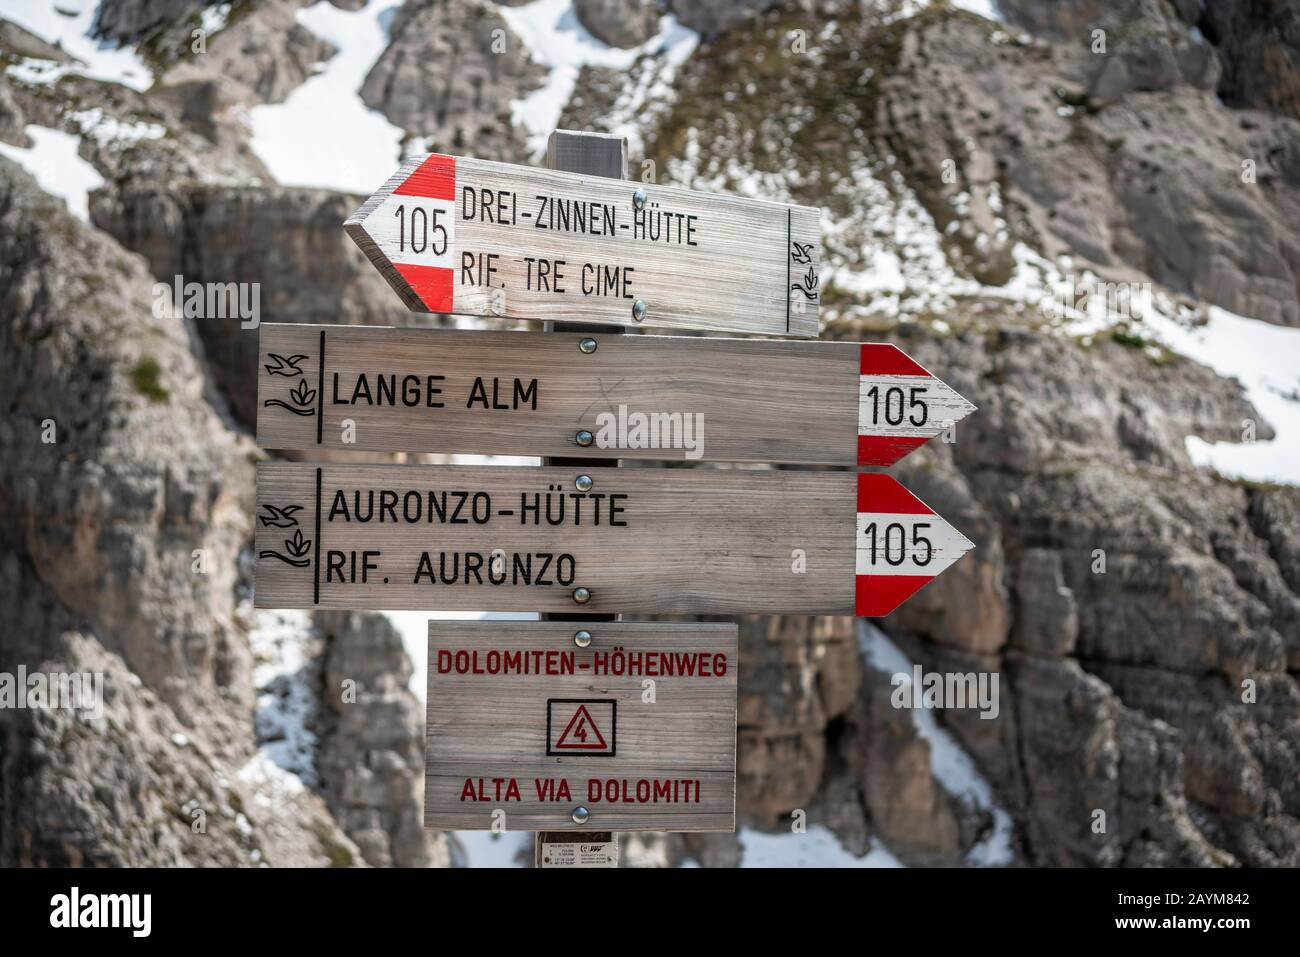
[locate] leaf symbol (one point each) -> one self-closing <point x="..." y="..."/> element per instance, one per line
<point x="810" y="280"/>
<point x="302" y="395"/>
<point x="297" y="546"/>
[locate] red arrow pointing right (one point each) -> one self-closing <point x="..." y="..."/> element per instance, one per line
<point x="901" y="405"/>
<point x="901" y="545"/>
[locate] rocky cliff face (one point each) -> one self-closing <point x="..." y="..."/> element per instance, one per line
<point x="1142" y="614"/>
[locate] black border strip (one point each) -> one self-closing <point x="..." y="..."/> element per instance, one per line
<point x="320" y="395"/>
<point x="315" y="600"/>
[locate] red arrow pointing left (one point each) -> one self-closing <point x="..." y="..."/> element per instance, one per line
<point x="408" y="230"/>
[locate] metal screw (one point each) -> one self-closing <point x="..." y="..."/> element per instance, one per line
<point x="580" y="815"/>
<point x="638" y="199"/>
<point x="587" y="345"/>
<point x="638" y="310"/>
<point x="581" y="595"/>
<point x="584" y="438"/>
<point x="582" y="638"/>
<point x="583" y="483"/>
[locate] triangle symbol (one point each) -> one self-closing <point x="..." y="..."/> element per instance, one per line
<point x="581" y="733"/>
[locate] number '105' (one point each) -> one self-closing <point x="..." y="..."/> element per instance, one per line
<point x="894" y="405"/>
<point x="892" y="543"/>
<point x="420" y="230"/>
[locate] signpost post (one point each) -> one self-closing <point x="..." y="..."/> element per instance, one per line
<point x="590" y="154"/>
<point x="582" y="720"/>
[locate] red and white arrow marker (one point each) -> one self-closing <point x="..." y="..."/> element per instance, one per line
<point x="901" y="545"/>
<point x="408" y="230"/>
<point x="901" y="406"/>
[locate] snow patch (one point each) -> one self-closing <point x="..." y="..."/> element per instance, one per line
<point x="68" y="24"/>
<point x="556" y="39"/>
<point x="951" y="766"/>
<point x="323" y="135"/>
<point x="817" y="847"/>
<point x="54" y="163"/>
<point x="486" y="849"/>
<point x="106" y="130"/>
<point x="285" y="762"/>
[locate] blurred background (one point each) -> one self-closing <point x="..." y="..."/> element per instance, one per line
<point x="1083" y="216"/>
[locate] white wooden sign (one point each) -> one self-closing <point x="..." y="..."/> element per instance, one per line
<point x="459" y="235"/>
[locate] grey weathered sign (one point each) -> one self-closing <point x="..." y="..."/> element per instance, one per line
<point x="630" y="728"/>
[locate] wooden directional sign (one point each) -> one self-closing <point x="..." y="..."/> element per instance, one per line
<point x="650" y="540"/>
<point x="470" y="236"/>
<point x="640" y="397"/>
<point x="524" y="727"/>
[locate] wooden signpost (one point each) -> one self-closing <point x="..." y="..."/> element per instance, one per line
<point x="469" y="236"/>
<point x="581" y="725"/>
<point x="596" y="396"/>
<point x="668" y="541"/>
<point x="552" y="726"/>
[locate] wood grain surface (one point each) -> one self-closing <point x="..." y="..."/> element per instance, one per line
<point x="694" y="540"/>
<point x="470" y="236"/>
<point x="512" y="393"/>
<point x="490" y="724"/>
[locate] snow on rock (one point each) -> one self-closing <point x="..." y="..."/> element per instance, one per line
<point x="951" y="766"/>
<point x="817" y="847"/>
<point x="1265" y="358"/>
<point x="106" y="130"/>
<point x="285" y="762"/>
<point x="54" y="163"/>
<point x="323" y="135"/>
<point x="556" y="39"/>
<point x="488" y="849"/>
<point x="68" y="24"/>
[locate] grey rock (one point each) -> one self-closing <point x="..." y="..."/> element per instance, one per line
<point x="620" y="23"/>
<point x="129" y="21"/>
<point x="100" y="529"/>
<point x="1145" y="153"/>
<point x="260" y="56"/>
<point x="22" y="42"/>
<point x="371" y="750"/>
<point x="1259" y="44"/>
<point x="11" y="120"/>
<point x="1048" y="617"/>
<point x="450" y="74"/>
<point x="289" y="242"/>
<point x="715" y="18"/>
<point x="796" y="675"/>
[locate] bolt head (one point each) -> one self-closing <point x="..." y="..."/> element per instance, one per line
<point x="582" y="638"/>
<point x="582" y="595"/>
<point x="638" y="310"/>
<point x="583" y="483"/>
<point x="584" y="438"/>
<point x="587" y="345"/>
<point x="580" y="815"/>
<point x="639" y="198"/>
